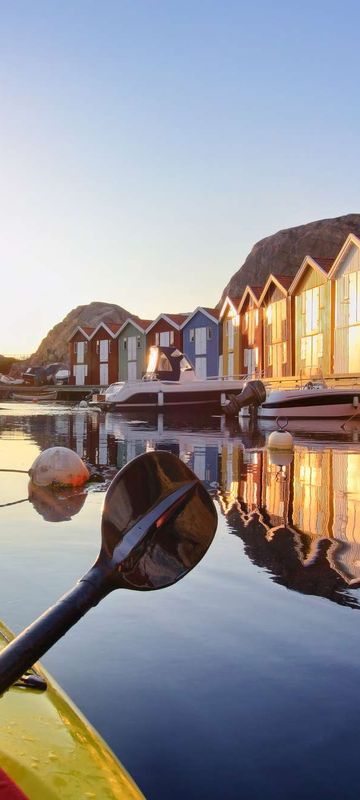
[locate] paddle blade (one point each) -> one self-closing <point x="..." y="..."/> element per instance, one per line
<point x="158" y="522"/>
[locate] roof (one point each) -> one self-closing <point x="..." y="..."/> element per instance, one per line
<point x="84" y="329"/>
<point x="140" y="324"/>
<point x="231" y="301"/>
<point x="282" y="281"/>
<point x="322" y="265"/>
<point x="255" y="291"/>
<point x="212" y="313"/>
<point x="174" y="319"/>
<point x="351" y="241"/>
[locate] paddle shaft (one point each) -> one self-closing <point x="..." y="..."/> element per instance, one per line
<point x="34" y="641"/>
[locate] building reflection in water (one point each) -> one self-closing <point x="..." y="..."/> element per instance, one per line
<point x="300" y="521"/>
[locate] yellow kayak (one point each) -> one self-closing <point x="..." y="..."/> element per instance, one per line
<point x="49" y="751"/>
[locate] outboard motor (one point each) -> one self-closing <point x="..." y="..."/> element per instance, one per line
<point x="253" y="394"/>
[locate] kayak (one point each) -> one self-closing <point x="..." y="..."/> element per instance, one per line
<point x="49" y="750"/>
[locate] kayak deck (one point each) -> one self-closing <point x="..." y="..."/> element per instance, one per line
<point x="50" y="750"/>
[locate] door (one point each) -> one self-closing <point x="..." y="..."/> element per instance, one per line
<point x="80" y="373"/>
<point x="131" y="350"/>
<point x="252" y="360"/>
<point x="200" y="341"/>
<point x="104" y="374"/>
<point x="230" y="370"/>
<point x="200" y="366"/>
<point x="104" y="350"/>
<point x="132" y="371"/>
<point x="80" y="352"/>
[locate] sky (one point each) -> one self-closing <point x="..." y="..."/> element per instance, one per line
<point x="146" y="145"/>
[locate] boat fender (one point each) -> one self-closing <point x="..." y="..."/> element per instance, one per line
<point x="280" y="440"/>
<point x="355" y="401"/>
<point x="60" y="466"/>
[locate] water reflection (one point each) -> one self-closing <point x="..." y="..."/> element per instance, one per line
<point x="299" y="522"/>
<point x="57" y="505"/>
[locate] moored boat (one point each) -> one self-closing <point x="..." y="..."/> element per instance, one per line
<point x="169" y="382"/>
<point x="313" y="400"/>
<point x="24" y="397"/>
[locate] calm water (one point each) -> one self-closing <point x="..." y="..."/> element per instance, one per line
<point x="242" y="680"/>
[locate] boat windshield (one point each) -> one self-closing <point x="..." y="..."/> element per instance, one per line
<point x="312" y="377"/>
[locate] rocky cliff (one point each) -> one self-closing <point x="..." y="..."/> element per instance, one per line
<point x="283" y="252"/>
<point x="54" y="347"/>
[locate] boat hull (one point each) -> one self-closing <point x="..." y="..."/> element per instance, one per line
<point x="305" y="404"/>
<point x="161" y="395"/>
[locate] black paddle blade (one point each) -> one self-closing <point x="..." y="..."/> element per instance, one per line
<point x="158" y="522"/>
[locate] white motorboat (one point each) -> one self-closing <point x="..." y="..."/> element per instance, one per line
<point x="314" y="400"/>
<point x="169" y="382"/>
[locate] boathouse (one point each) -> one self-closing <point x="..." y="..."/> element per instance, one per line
<point x="229" y="338"/>
<point x="132" y="348"/>
<point x="345" y="273"/>
<point x="104" y="354"/>
<point x="79" y="355"/>
<point x="276" y="313"/>
<point x="313" y="316"/>
<point x="166" y="331"/>
<point x="201" y="341"/>
<point x="251" y="336"/>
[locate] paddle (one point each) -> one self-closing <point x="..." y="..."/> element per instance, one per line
<point x="158" y="521"/>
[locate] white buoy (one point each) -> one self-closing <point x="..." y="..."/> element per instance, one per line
<point x="280" y="440"/>
<point x="59" y="465"/>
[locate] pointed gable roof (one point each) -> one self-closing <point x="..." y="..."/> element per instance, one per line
<point x="321" y="265"/>
<point x="141" y="324"/>
<point x="86" y="330"/>
<point x="351" y="241"/>
<point x="252" y="291"/>
<point x="212" y="313"/>
<point x="175" y="320"/>
<point x="232" y="302"/>
<point x="283" y="282"/>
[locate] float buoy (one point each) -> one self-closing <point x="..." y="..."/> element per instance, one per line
<point x="60" y="466"/>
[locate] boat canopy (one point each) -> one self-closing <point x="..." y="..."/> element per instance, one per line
<point x="167" y="364"/>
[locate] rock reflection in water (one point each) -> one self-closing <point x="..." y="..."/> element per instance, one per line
<point x="300" y="521"/>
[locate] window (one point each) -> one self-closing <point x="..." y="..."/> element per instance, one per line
<point x="192" y="335"/>
<point x="354" y="297"/>
<point x="209" y="333"/>
<point x="172" y="337"/>
<point x="284" y="352"/>
<point x="230" y="333"/>
<point x="157" y="339"/>
<point x="312" y="309"/>
<point x="125" y="344"/>
<point x="138" y="341"/>
<point x="164" y="364"/>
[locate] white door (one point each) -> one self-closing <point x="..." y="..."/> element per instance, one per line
<point x="80" y="373"/>
<point x="230" y="370"/>
<point x="200" y="366"/>
<point x="131" y="348"/>
<point x="131" y="370"/>
<point x="104" y="350"/>
<point x="104" y="374"/>
<point x="80" y="352"/>
<point x="252" y="360"/>
<point x="165" y="338"/>
<point x="200" y="341"/>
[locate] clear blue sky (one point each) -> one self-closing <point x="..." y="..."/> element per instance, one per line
<point x="146" y="146"/>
